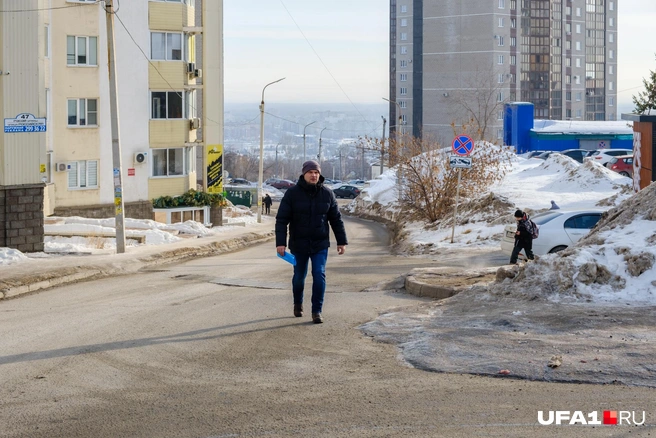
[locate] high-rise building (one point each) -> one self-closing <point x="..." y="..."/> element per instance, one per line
<point x="458" y="61"/>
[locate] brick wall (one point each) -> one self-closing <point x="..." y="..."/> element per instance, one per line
<point x="134" y="210"/>
<point x="21" y="217"/>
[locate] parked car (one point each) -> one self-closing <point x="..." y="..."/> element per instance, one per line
<point x="281" y="183"/>
<point x="558" y="230"/>
<point x="357" y="182"/>
<point x="240" y="181"/>
<point x="346" y="191"/>
<point x="622" y="164"/>
<point x="603" y="156"/>
<point x="577" y="154"/>
<point x="534" y="154"/>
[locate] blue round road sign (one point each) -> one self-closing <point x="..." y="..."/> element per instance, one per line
<point x="463" y="145"/>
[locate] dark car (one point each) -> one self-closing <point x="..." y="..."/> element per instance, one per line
<point x="281" y="183"/>
<point x="534" y="154"/>
<point x="346" y="192"/>
<point x="577" y="154"/>
<point x="622" y="165"/>
<point x="240" y="181"/>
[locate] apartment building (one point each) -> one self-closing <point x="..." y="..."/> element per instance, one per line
<point x="64" y="51"/>
<point x="452" y="61"/>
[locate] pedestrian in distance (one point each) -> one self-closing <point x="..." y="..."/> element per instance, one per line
<point x="267" y="203"/>
<point x="523" y="237"/>
<point x="309" y="210"/>
<point x="554" y="206"/>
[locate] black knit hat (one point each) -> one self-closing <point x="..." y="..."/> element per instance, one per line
<point x="310" y="165"/>
<point x="519" y="213"/>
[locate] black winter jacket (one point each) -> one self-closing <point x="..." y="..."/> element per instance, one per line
<point x="309" y="210"/>
<point x="524" y="234"/>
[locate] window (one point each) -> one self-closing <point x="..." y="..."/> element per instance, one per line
<point x="568" y="96"/>
<point x="81" y="50"/>
<point x="577" y="80"/>
<point x="168" y="162"/>
<point x="500" y="60"/>
<point x="165" y="46"/>
<point x="83" y="174"/>
<point x="611" y="22"/>
<point x="611" y="69"/>
<point x="611" y="37"/>
<point x="513" y="23"/>
<point x="579" y="113"/>
<point x="578" y="28"/>
<point x="190" y="97"/>
<point x="611" y="54"/>
<point x="578" y="45"/>
<point x="568" y="62"/>
<point x="500" y="96"/>
<point x="47" y="42"/>
<point x="513" y="60"/>
<point x="502" y="4"/>
<point x="568" y="10"/>
<point x="404" y="9"/>
<point x="587" y="221"/>
<point x="513" y="41"/>
<point x="501" y="22"/>
<point x="500" y="115"/>
<point x="578" y="62"/>
<point x="403" y="91"/>
<point x="404" y="63"/>
<point x="499" y="133"/>
<point x="500" y="39"/>
<point x="611" y="101"/>
<point x="82" y="112"/>
<point x="404" y="50"/>
<point x="568" y="113"/>
<point x="167" y="105"/>
<point x="403" y="104"/>
<point x="404" y="22"/>
<point x="404" y="77"/>
<point x="578" y="12"/>
<point x="611" y="6"/>
<point x="500" y="78"/>
<point x="611" y="86"/>
<point x="579" y="96"/>
<point x="404" y="36"/>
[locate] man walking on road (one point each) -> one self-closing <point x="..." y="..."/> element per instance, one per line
<point x="308" y="209"/>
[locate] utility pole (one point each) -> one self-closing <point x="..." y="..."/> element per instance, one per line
<point x="363" y="167"/>
<point x="319" y="154"/>
<point x="116" y="145"/>
<point x="382" y="147"/>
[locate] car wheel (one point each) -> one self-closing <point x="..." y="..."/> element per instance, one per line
<point x="352" y="196"/>
<point x="625" y="174"/>
<point x="557" y="249"/>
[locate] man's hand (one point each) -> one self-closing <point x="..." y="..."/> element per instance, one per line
<point x="280" y="250"/>
<point x="341" y="249"/>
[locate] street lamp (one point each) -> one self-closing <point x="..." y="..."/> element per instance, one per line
<point x="319" y="155"/>
<point x="259" y="178"/>
<point x="400" y="123"/>
<point x="304" y="155"/>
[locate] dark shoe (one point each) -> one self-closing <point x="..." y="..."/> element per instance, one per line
<point x="298" y="310"/>
<point x="316" y="318"/>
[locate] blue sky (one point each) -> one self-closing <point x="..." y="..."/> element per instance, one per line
<point x="263" y="43"/>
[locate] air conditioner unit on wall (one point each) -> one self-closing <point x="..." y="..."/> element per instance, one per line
<point x="198" y="73"/>
<point x="140" y="157"/>
<point x="62" y="167"/>
<point x="191" y="67"/>
<point x="194" y="123"/>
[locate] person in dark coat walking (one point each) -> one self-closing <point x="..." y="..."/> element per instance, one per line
<point x="523" y="238"/>
<point x="267" y="203"/>
<point x="309" y="210"/>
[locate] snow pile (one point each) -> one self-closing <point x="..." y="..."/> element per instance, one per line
<point x="614" y="263"/>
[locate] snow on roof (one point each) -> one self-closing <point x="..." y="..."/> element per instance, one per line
<point x="583" y="127"/>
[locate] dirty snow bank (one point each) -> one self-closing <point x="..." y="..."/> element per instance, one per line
<point x="614" y="263"/>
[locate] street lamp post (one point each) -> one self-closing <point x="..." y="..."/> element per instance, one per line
<point x="319" y="154"/>
<point x="259" y="178"/>
<point x="304" y="155"/>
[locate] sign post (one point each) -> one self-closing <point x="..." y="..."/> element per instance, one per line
<point x="462" y="146"/>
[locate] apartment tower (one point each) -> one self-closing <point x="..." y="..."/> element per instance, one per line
<point x="454" y="61"/>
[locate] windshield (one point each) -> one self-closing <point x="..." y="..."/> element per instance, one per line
<point x="543" y="218"/>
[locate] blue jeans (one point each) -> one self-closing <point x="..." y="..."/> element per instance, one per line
<point x="318" y="278"/>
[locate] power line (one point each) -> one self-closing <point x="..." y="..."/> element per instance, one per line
<point x="323" y="63"/>
<point x="52" y="8"/>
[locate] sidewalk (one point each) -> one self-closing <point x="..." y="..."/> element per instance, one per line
<point x="37" y="274"/>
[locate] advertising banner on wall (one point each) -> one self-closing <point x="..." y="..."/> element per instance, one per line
<point x="214" y="156"/>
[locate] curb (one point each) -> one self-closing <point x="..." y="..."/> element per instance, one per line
<point x="14" y="286"/>
<point x="429" y="282"/>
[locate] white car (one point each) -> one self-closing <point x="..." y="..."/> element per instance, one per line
<point x="558" y="230"/>
<point x="603" y="156"/>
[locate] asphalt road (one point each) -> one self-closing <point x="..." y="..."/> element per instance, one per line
<point x="210" y="348"/>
